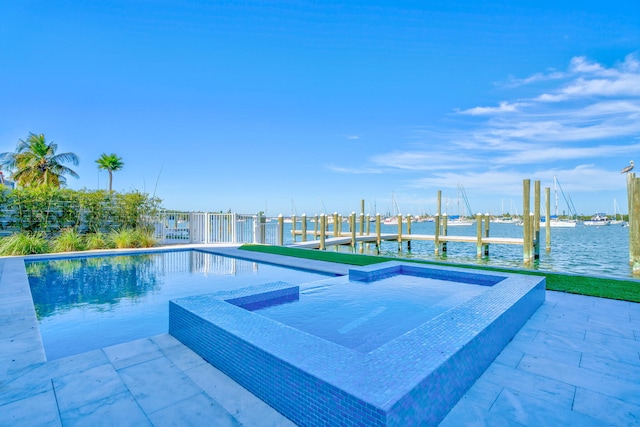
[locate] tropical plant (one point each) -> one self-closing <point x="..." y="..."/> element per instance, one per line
<point x="36" y="163"/>
<point x="68" y="241"/>
<point x="97" y="240"/>
<point x="146" y="238"/>
<point x="132" y="238"/>
<point x="124" y="238"/>
<point x="111" y="163"/>
<point x="24" y="243"/>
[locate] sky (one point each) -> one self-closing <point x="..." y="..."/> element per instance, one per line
<point x="310" y="107"/>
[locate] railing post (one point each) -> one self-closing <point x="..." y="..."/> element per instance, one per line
<point x="256" y="231"/>
<point x="234" y="218"/>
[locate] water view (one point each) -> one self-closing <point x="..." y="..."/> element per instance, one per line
<point x="594" y="251"/>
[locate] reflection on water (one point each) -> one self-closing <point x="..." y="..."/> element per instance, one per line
<point x="100" y="282"/>
<point x="89" y="303"/>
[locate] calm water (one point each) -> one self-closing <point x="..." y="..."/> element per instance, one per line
<point x="89" y="303"/>
<point x="596" y="251"/>
<point x="363" y="316"/>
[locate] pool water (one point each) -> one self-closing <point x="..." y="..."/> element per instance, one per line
<point x="365" y="315"/>
<point x="85" y="304"/>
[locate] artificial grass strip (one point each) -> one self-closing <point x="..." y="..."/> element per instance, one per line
<point x="627" y="290"/>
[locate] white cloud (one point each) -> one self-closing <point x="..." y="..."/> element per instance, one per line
<point x="503" y="107"/>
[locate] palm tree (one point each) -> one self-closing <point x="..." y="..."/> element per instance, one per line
<point x="110" y="162"/>
<point x="36" y="163"/>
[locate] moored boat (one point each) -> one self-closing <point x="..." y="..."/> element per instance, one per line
<point x="598" y="219"/>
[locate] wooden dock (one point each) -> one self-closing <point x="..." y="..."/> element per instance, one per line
<point x="359" y="230"/>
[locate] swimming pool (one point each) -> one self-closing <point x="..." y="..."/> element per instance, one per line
<point x="86" y="303"/>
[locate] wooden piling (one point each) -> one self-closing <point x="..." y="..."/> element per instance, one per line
<point x="361" y="217"/>
<point x="323" y="231"/>
<point x="280" y="241"/>
<point x="633" y="231"/>
<point x="633" y="196"/>
<point x="303" y="218"/>
<point x="368" y="224"/>
<point x="526" y="209"/>
<point x="399" y="233"/>
<point x="293" y="228"/>
<point x="352" y="227"/>
<point x="436" y="236"/>
<point x="487" y="221"/>
<point x="479" y="235"/>
<point x="445" y="220"/>
<point x="536" y="219"/>
<point x="547" y="198"/>
<point x="315" y="226"/>
<point x="409" y="232"/>
<point x="378" y="234"/>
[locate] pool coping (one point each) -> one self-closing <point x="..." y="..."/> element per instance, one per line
<point x="403" y="380"/>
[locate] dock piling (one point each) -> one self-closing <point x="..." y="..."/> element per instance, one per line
<point x="323" y="231"/>
<point x="303" y="218"/>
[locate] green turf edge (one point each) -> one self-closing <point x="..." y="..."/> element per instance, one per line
<point x="620" y="289"/>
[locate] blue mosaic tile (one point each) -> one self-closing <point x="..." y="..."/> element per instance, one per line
<point x="413" y="379"/>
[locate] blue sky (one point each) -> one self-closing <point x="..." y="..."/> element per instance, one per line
<point x="254" y="105"/>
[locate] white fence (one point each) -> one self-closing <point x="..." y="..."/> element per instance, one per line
<point x="207" y="227"/>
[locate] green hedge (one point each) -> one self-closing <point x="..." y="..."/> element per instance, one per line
<point x="49" y="210"/>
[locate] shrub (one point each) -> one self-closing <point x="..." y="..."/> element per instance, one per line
<point x="24" y="243"/>
<point x="68" y="241"/>
<point x="145" y="238"/>
<point x="97" y="240"/>
<point x="125" y="238"/>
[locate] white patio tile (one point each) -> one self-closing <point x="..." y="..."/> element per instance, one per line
<point x="198" y="410"/>
<point x="580" y="377"/>
<point x="612" y="411"/>
<point x="132" y="353"/>
<point x="529" y="411"/>
<point x="543" y="388"/>
<point x="116" y="410"/>
<point x="157" y="384"/>
<point x="79" y="389"/>
<point x="37" y="410"/>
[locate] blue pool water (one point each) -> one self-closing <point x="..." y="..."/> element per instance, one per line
<point x="363" y="316"/>
<point x="89" y="303"/>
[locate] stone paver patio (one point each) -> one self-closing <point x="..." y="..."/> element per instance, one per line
<point x="575" y="362"/>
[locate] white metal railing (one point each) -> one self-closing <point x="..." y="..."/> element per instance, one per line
<point x="208" y="227"/>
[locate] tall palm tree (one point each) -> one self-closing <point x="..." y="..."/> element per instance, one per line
<point x="36" y="163"/>
<point x="110" y="162"/>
